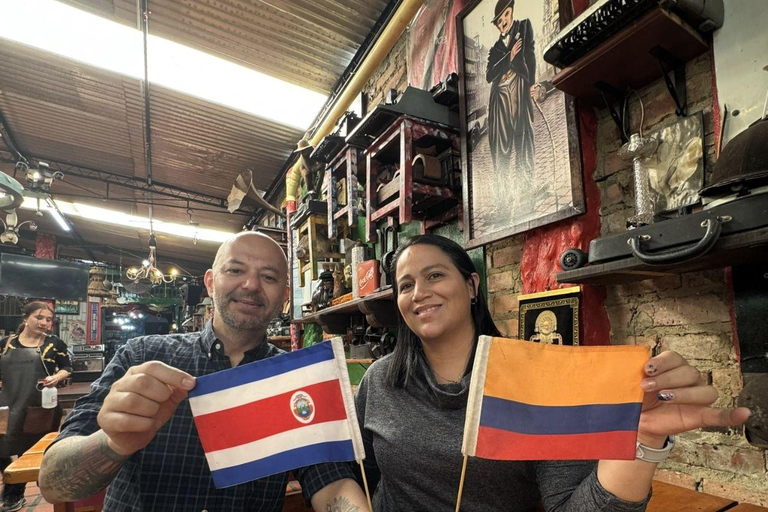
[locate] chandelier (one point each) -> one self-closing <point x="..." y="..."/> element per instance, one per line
<point x="148" y="271"/>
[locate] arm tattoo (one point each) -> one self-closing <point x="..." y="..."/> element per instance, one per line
<point x="78" y="467"/>
<point x="341" y="505"/>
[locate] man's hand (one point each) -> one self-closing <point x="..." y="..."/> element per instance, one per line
<point x="140" y="403"/>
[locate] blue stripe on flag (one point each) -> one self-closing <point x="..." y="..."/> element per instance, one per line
<point x="545" y="420"/>
<point x="263" y="369"/>
<point x="285" y="461"/>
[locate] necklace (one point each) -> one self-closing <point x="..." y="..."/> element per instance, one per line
<point x="36" y="347"/>
<point x="448" y="381"/>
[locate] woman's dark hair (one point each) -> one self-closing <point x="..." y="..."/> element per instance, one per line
<point x="28" y="310"/>
<point x="404" y="361"/>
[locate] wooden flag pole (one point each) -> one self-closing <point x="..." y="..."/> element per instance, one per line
<point x="365" y="485"/>
<point x="461" y="483"/>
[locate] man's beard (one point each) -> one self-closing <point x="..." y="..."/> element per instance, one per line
<point x="241" y="321"/>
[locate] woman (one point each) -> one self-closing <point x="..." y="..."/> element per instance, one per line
<point x="29" y="357"/>
<point x="411" y="407"/>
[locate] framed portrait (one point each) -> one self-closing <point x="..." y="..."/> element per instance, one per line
<point x="67" y="307"/>
<point x="676" y="168"/>
<point x="519" y="135"/>
<point x="550" y="317"/>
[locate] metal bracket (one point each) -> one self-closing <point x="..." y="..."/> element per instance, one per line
<point x="667" y="63"/>
<point x="614" y="101"/>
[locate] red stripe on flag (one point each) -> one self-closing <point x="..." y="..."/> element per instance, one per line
<point x="267" y="417"/>
<point x="499" y="444"/>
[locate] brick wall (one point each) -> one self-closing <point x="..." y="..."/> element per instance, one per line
<point x="391" y="74"/>
<point x="688" y="313"/>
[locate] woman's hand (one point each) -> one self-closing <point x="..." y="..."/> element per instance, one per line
<point x="51" y="381"/>
<point x="677" y="399"/>
<point x="55" y="379"/>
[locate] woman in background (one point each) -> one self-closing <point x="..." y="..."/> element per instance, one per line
<point x="28" y="357"/>
<point x="412" y="404"/>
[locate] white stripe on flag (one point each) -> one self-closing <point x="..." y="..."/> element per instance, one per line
<point x="475" y="396"/>
<point x="264" y="388"/>
<point x="349" y="398"/>
<point x="272" y="445"/>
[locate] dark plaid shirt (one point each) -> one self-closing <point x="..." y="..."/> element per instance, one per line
<point x="171" y="473"/>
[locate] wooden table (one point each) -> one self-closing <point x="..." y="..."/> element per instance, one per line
<point x="746" y="507"/>
<point x="667" y="497"/>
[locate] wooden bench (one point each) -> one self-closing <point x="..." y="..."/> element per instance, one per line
<point x="27" y="468"/>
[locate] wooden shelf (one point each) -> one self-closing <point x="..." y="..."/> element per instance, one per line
<point x="625" y="60"/>
<point x="730" y="250"/>
<point x="279" y="338"/>
<point x="378" y="308"/>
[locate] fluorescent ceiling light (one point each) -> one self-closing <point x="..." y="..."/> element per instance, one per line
<point x="56" y="215"/>
<point x="104" y="215"/>
<point x="57" y="28"/>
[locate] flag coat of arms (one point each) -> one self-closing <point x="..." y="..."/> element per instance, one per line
<point x="277" y="414"/>
<point x="533" y="401"/>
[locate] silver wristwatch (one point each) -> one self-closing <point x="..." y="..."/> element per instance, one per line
<point x="654" y="455"/>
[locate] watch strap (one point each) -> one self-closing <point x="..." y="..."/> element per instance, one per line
<point x="654" y="455"/>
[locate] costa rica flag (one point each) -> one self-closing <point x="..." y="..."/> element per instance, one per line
<point x="533" y="401"/>
<point x="277" y="414"/>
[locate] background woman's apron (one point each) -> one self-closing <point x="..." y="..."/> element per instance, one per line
<point x="21" y="369"/>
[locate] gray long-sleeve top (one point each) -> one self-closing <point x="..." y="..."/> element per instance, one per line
<point x="413" y="438"/>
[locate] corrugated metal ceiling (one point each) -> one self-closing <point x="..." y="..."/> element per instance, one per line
<point x="59" y="110"/>
<point x="306" y="42"/>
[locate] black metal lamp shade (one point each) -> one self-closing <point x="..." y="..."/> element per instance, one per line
<point x="742" y="163"/>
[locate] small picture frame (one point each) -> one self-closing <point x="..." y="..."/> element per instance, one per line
<point x="550" y="317"/>
<point x="67" y="307"/>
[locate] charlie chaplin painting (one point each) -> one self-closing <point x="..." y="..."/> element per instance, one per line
<point x="511" y="71"/>
<point x="520" y="150"/>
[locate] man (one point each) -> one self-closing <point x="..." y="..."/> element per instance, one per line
<point x="511" y="71"/>
<point x="135" y="431"/>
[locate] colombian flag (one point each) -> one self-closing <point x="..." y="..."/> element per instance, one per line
<point x="532" y="401"/>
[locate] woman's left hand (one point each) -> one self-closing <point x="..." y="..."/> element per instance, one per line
<point x="678" y="399"/>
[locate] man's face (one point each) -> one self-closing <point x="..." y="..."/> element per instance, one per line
<point x="504" y="22"/>
<point x="248" y="283"/>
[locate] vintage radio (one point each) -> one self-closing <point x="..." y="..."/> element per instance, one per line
<point x="607" y="17"/>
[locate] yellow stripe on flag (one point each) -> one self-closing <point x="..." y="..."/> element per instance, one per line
<point x="540" y="374"/>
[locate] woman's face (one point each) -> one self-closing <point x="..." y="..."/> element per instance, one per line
<point x="433" y="297"/>
<point x="40" y="321"/>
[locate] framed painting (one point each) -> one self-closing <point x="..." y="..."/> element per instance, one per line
<point x="519" y="135"/>
<point x="550" y="317"/>
<point x="67" y="307"/>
